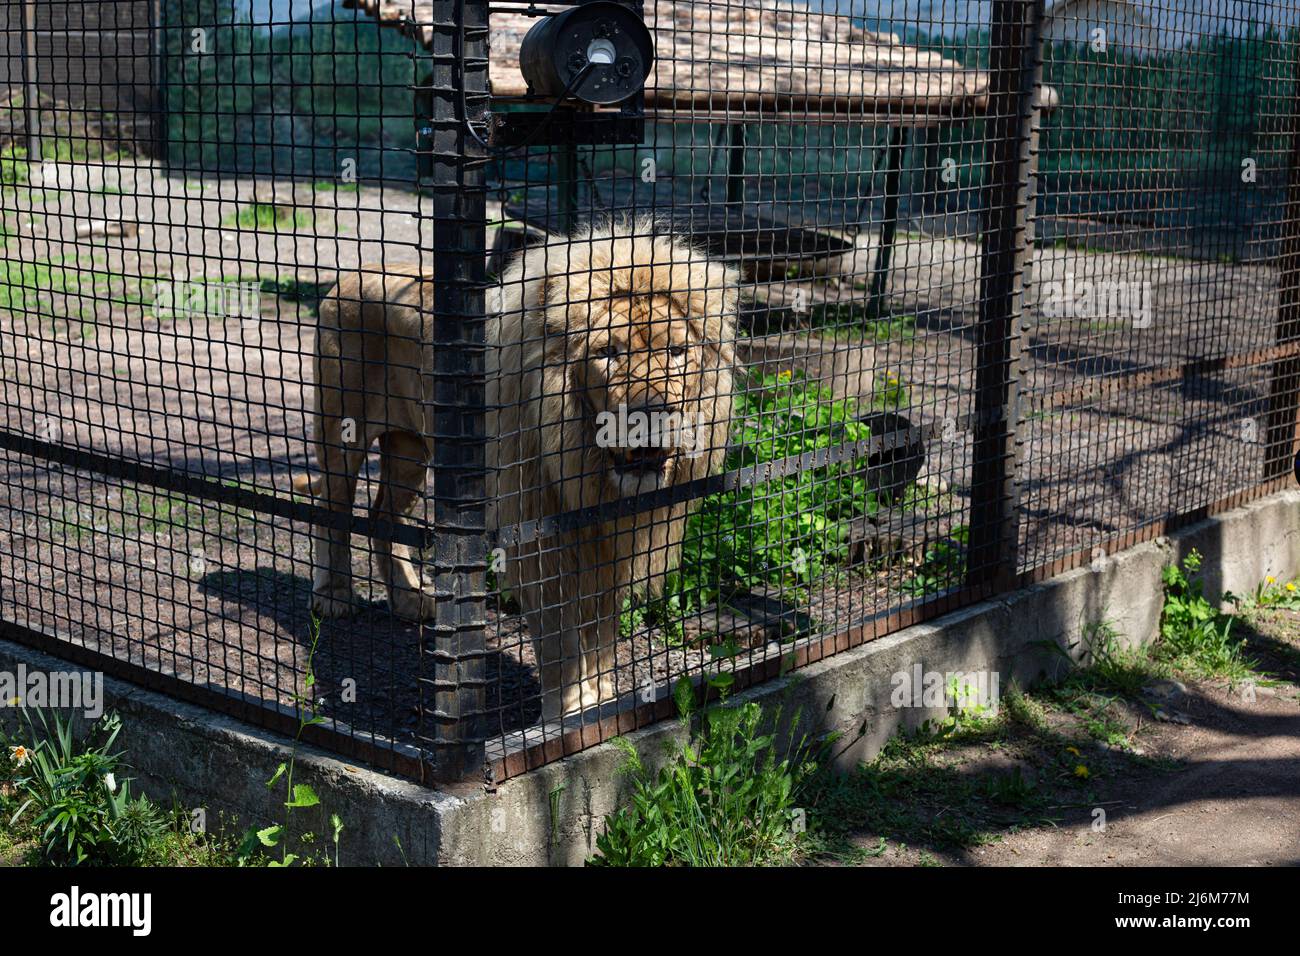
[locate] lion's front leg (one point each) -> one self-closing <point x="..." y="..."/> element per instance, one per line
<point x="559" y="665"/>
<point x="402" y="475"/>
<point x="599" y="657"/>
<point x="568" y="672"/>
<point x="332" y="594"/>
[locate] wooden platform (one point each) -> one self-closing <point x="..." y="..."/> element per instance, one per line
<point x="761" y="56"/>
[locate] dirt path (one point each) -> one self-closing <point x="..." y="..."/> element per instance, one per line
<point x="1235" y="802"/>
<point x="1180" y="772"/>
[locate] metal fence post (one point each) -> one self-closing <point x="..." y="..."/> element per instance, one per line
<point x="457" y="188"/>
<point x="889" y="227"/>
<point x="158" y="80"/>
<point x="1015" y="81"/>
<point x="31" y="101"/>
<point x="1284" y="374"/>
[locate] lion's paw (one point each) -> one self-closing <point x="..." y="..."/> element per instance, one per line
<point x="411" y="605"/>
<point x="333" y="603"/>
<point x="608" y="689"/>
<point x="577" y="698"/>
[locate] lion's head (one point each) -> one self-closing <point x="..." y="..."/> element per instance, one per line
<point x="639" y="328"/>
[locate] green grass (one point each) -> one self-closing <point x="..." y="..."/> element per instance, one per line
<point x="958" y="783"/>
<point x="1098" y="713"/>
<point x="1110" y="667"/>
<point x="271" y="217"/>
<point x="329" y="186"/>
<point x="729" y="797"/>
<point x="25" y="287"/>
<point x="57" y="806"/>
<point x="932" y="787"/>
<point x="25" y="284"/>
<point x="37" y="199"/>
<point x="76" y="149"/>
<point x="138" y="512"/>
<point x="16" y="163"/>
<point x="942" y="567"/>
<point x="913" y="793"/>
<point x="889" y="393"/>
<point x="150" y="512"/>
<point x="854" y="321"/>
<point x="15" y="170"/>
<point x="1109" y="676"/>
<point x="1196" y="641"/>
<point x="1195" y="636"/>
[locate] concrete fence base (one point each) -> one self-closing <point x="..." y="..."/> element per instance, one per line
<point x="553" y="815"/>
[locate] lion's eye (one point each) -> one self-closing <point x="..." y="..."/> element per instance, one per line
<point x="677" y="351"/>
<point x="609" y="351"/>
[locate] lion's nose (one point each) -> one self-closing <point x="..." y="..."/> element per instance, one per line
<point x="652" y="410"/>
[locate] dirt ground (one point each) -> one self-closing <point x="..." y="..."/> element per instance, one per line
<point x="217" y="595"/>
<point x="1202" y="773"/>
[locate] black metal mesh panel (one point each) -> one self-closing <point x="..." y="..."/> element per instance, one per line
<point x="510" y="411"/>
<point x="1154" y="299"/>
<point x="788" y="145"/>
<point x="162" y="294"/>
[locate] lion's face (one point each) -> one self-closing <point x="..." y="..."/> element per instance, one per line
<point x="640" y="373"/>
<point x="633" y="347"/>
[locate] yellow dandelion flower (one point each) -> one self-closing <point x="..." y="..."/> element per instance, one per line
<point x="1081" y="772"/>
<point x="1290" y="586"/>
<point x="1270" y="580"/>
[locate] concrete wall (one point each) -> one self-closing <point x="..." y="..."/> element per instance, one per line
<point x="552" y="815"/>
<point x="96" y="56"/>
<point x="11" y="44"/>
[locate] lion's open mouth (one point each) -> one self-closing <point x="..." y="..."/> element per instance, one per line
<point x="639" y="461"/>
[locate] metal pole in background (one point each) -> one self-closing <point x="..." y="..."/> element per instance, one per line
<point x="566" y="176"/>
<point x="1284" y="374"/>
<point x="1015" y="82"/>
<point x="736" y="170"/>
<point x="31" y="104"/>
<point x="455" y="642"/>
<point x="889" y="227"/>
<point x="158" y="81"/>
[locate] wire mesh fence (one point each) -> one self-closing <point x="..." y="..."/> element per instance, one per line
<point x="330" y="344"/>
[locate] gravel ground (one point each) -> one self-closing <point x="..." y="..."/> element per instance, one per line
<point x="218" y="595"/>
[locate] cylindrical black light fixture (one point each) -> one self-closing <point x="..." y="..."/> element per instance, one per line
<point x="603" y="37"/>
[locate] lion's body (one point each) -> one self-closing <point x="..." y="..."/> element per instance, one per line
<point x="616" y="287"/>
